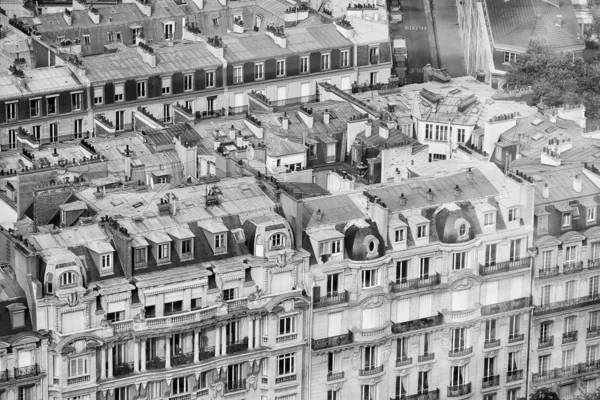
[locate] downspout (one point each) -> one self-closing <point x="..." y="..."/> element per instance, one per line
<point x="309" y="347"/>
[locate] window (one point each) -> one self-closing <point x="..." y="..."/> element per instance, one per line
<point x="369" y="357"/>
<point x="458" y="339"/>
<point x="238" y="75"/>
<point x="229" y="294"/>
<point x="368" y="392"/>
<point x="591" y="214"/>
<point x="545" y="328"/>
<point x="188" y="82"/>
<point x="570" y="253"/>
<point x="546" y="262"/>
<point x="119" y="120"/>
<point x="115" y="316"/>
<point x="68" y="278"/>
<point x="210" y="79"/>
<point x="280" y="68"/>
<point x="52" y="103"/>
<point x="489" y="219"/>
<point x="459" y="261"/>
<point x="34" y="108"/>
<point x="567" y="358"/>
<point x="401" y="387"/>
<point x="594" y="320"/>
<point x="219" y="241"/>
<point x="166" y="85"/>
<point x="332" y="284"/>
<point x="119" y="89"/>
<point x="141" y="89"/>
<point x="570" y="290"/>
<point x="424" y="267"/>
<point x="545" y="295"/>
<point x="421" y="231"/>
<point x="78" y="366"/>
<point x="12" y="138"/>
<point x="591" y="354"/>
<point x="399" y="235"/>
<point x="513" y="394"/>
<point x="106" y="261"/>
<point x="286" y="364"/>
<point x="566" y="219"/>
<point x="164" y="251"/>
<point x="513" y="361"/>
<point x="53" y="132"/>
<point x="179" y="385"/>
<point x="216" y="21"/>
<point x="78" y="128"/>
<point x="330" y="247"/>
<point x="76" y="101"/>
<point x="373" y="78"/>
<point x="570" y="323"/>
<point x="304" y="65"/>
<point x="423" y="382"/>
<point x="490" y="254"/>
<point x="428" y="131"/>
<point x="542" y="224"/>
<point x="36" y="130"/>
<point x="543" y="364"/>
<point x="277" y="240"/>
<point x="513" y="214"/>
<point x="26" y="393"/>
<point x="462" y="230"/>
<point x="166" y="113"/>
<point x="594" y="251"/>
<point x="510" y="57"/>
<point x="344" y="58"/>
<point x="489" y="367"/>
<point x="593" y="286"/>
<point x="287" y="326"/>
<point x="331" y="395"/>
<point x="173" y="307"/>
<point x="196" y="303"/>
<point x="186" y="246"/>
<point x="140" y="255"/>
<point x="515" y="250"/>
<point x="369" y="278"/>
<point x="457" y="377"/>
<point x="460" y="135"/>
<point x="514" y="326"/>
<point x="118" y="36"/>
<point x="259" y="70"/>
<point x="490" y="330"/>
<point x="373" y="55"/>
<point x="325" y="65"/>
<point x="121" y="393"/>
<point x="86" y="39"/>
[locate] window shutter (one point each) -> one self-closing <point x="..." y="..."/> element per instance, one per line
<point x="384" y="53"/>
<point x="197" y="292"/>
<point x="23" y="109"/>
<point x="199" y="79"/>
<point x="154" y="86"/>
<point x="177" y="83"/>
<point x="229" y="75"/>
<point x="516" y="286"/>
<point x="116" y="306"/>
<point x="64" y="103"/>
<point x="403" y="310"/>
<point x="334" y="324"/>
<point x="363" y="55"/>
<point x="109" y="93"/>
<point x="293" y="65"/>
<point x="130" y="90"/>
<point x="270" y="66"/>
<point x="150" y="300"/>
<point x="315" y="62"/>
<point x="3" y="111"/>
<point x="219" y="77"/>
<point x="425" y="309"/>
<point x="173" y="296"/>
<point x="491" y="292"/>
<point x="351" y="57"/>
<point x="248" y="72"/>
<point x="335" y="59"/>
<point x="316" y="293"/>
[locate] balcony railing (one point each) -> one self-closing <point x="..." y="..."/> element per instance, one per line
<point x="238" y="110"/>
<point x="235" y="386"/>
<point x="186" y="396"/>
<point x="198" y="315"/>
<point x="506" y="306"/>
<point x="123" y="369"/>
<point x="283" y="379"/>
<point x="330" y="299"/>
<point x="546" y="342"/>
<point x="286" y="338"/>
<point x="593" y="331"/>
<point x="488" y="344"/>
<point x="332" y="376"/>
<point x="206" y="353"/>
<point x="576" y="303"/>
<point x="459" y="390"/>
<point x="593" y="264"/>
<point x="410" y="284"/>
<point x="516" y="337"/>
<point x="236" y="347"/>
<point x="427" y="357"/>
<point x="460" y="352"/>
<point x="490" y="381"/>
<point x="424" y="395"/>
<point x="237" y="304"/>
<point x="416" y="324"/>
<point x="569" y="337"/>
<point x="78" y="380"/>
<point x="515" y="375"/>
<point x="548" y="272"/>
<point x="182" y="359"/>
<point x="402" y="361"/>
<point x="122" y="326"/>
<point x="572" y="267"/>
<point x="26" y="372"/>
<point x="333" y="341"/>
<point x="504" y="266"/>
<point x="370" y="370"/>
<point x="155" y="363"/>
<point x="293" y="101"/>
<point x="566" y="372"/>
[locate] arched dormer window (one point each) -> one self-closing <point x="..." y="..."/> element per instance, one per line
<point x="68" y="278"/>
<point x="277" y="241"/>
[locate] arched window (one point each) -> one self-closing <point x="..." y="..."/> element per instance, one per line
<point x="68" y="278"/>
<point x="277" y="240"/>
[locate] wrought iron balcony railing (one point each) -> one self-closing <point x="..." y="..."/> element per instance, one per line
<point x="236" y="347"/>
<point x="548" y="272"/>
<point x="566" y="372"/>
<point x="545" y="342"/>
<point x="416" y="324"/>
<point x="370" y="370"/>
<point x="569" y="337"/>
<point x="459" y="390"/>
<point x="332" y="376"/>
<point x="423" y="395"/>
<point x="235" y="386"/>
<point x="490" y="381"/>
<point x="402" y="361"/>
<point x="123" y="369"/>
<point x="155" y="363"/>
<point x="564" y="305"/>
<point x="182" y="359"/>
<point x="333" y="341"/>
<point x="514" y="375"/>
<point x="572" y="267"/>
<point x="426" y="357"/>
<point x="333" y="298"/>
<point x="490" y="343"/>
<point x="460" y="352"/>
<point x="504" y="266"/>
<point x="26" y="372"/>
<point x="516" y="337"/>
<point x="506" y="306"/>
<point x="411" y="284"/>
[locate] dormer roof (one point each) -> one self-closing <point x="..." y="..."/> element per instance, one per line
<point x="100" y="247"/>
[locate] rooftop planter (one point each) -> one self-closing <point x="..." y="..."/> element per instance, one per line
<point x="26" y="29"/>
<point x="193" y="28"/>
<point x="16" y="71"/>
<point x="152" y="119"/>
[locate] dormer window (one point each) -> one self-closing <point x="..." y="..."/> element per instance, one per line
<point x="186" y="248"/>
<point x="277" y="241"/>
<point x="489" y="219"/>
<point x="106" y="261"/>
<point x="542" y="224"/>
<point x="421" y="231"/>
<point x="50" y="283"/>
<point x="591" y="214"/>
<point x="141" y="255"/>
<point x="566" y="219"/>
<point x="462" y="230"/>
<point x="399" y="235"/>
<point x="68" y="278"/>
<point x="239" y="236"/>
<point x="219" y="242"/>
<point x="513" y="214"/>
<point x="331" y="247"/>
<point x="164" y="252"/>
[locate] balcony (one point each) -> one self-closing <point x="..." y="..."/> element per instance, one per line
<point x="182" y="318"/>
<point x="286" y="338"/>
<point x="564" y="305"/>
<point x="593" y="264"/>
<point x="371" y="370"/>
<point x="206" y="353"/>
<point x="566" y="372"/>
<point x="155" y="363"/>
<point x="329" y="158"/>
<point x="238" y="110"/>
<point x="235" y="386"/>
<point x="426" y="357"/>
<point x="284" y="379"/>
<point x="417" y="324"/>
<point x="78" y="380"/>
<point x="490" y="381"/>
<point x="546" y="342"/>
<point x="491" y="343"/>
<point x="459" y="390"/>
<point x="411" y="284"/>
<point x="593" y="331"/>
<point x="516" y="337"/>
<point x="186" y="396"/>
<point x="506" y="306"/>
<point x="425" y="395"/>
<point x="330" y="299"/>
<point x="26" y="372"/>
<point x="122" y="326"/>
<point x="182" y="359"/>
<point x="515" y="375"/>
<point x="548" y="272"/>
<point x="293" y="101"/>
<point x="460" y="352"/>
<point x="403" y="361"/>
<point x="333" y="341"/>
<point x="572" y="267"/>
<point x="569" y="337"/>
<point x="123" y="369"/>
<point x="334" y="376"/>
<point x="236" y="347"/>
<point x="504" y="266"/>
<point x="237" y="304"/>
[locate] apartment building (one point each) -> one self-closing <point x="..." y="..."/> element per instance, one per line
<point x="406" y="283"/>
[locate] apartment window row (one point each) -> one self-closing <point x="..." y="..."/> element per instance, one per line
<point x="571" y="290"/>
<point x="51" y="106"/>
<point x="437" y="132"/>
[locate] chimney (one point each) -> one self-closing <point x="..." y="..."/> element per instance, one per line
<point x="429" y="195"/>
<point x="546" y="191"/>
<point x="306" y="116"/>
<point x="255" y="126"/>
<point x="469" y="174"/>
<point x="94" y="15"/>
<point x="239" y="140"/>
<point x="144" y="6"/>
<point x="368" y="128"/>
<point x="402" y="199"/>
<point x="391" y="106"/>
<point x="164" y="207"/>
<point x="457" y="191"/>
<point x="285" y="122"/>
<point x="147" y="54"/>
<point x="232" y="132"/>
<point x="384" y="131"/>
<point x="380" y="215"/>
<point x="326" y="116"/>
<point x="577" y="183"/>
<point x="319" y="215"/>
<point x="67" y="15"/>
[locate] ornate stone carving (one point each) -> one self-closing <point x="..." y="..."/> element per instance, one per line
<point x="374" y="301"/>
<point x="256" y="295"/>
<point x="387" y="349"/>
<point x="141" y="316"/>
<point x="355" y="358"/>
<point x="252" y="382"/>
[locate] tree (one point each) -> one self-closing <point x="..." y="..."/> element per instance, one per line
<point x="543" y="394"/>
<point x="589" y="396"/>
<point x="594" y="29"/>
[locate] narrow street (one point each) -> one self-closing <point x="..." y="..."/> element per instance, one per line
<point x="450" y="46"/>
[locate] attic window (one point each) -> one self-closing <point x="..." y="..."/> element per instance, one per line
<point x="421" y="231"/>
<point x="566" y="219"/>
<point x="513" y="214"/>
<point x="399" y="235"/>
<point x="462" y="229"/>
<point x="238" y="234"/>
<point x="17" y="315"/>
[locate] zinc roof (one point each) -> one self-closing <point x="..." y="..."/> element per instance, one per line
<point x="39" y="81"/>
<point x="334" y="209"/>
<point x="560" y="183"/>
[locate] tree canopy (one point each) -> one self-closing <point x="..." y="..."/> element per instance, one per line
<point x="589" y="396"/>
<point x="543" y="394"/>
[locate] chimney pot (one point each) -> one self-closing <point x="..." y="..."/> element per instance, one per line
<point x="470" y="174"/>
<point x="457" y="191"/>
<point x="546" y="191"/>
<point x="402" y="199"/>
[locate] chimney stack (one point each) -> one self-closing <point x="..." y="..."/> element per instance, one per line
<point x="546" y="191"/>
<point x="429" y="195"/>
<point x="326" y="116"/>
<point x="285" y="122"/>
<point x="368" y="128"/>
<point x="402" y="199"/>
<point x="469" y="174"/>
<point x="232" y="132"/>
<point x="577" y="183"/>
<point x="457" y="191"/>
